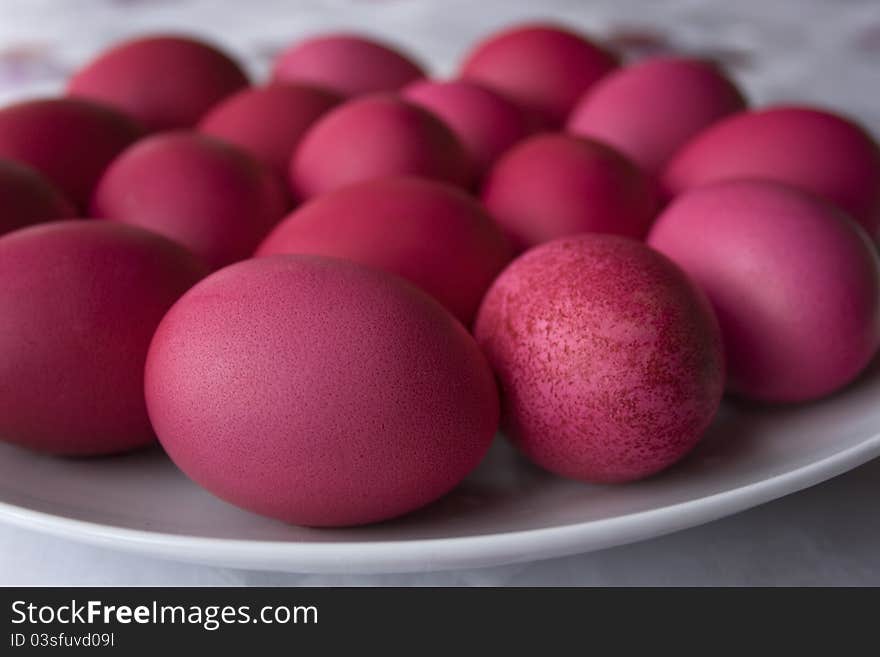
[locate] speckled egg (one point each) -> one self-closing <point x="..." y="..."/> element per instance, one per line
<point x="27" y="198"/>
<point x="486" y="122"/>
<point x="348" y="64"/>
<point x="433" y="234"/>
<point x="373" y="137"/>
<point x="209" y="196"/>
<point x="793" y="280"/>
<point x="651" y="109"/>
<point x="78" y="306"/>
<point x="69" y="141"/>
<point x="318" y="391"/>
<point x="815" y="150"/>
<point x="164" y="81"/>
<point x="544" y="67"/>
<point x="268" y="122"/>
<point x="553" y="185"/>
<point x="609" y="357"/>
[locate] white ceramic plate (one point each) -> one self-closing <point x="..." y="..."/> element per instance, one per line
<point x="505" y="512"/>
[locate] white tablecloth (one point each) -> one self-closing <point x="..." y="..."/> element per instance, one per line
<point x="817" y="51"/>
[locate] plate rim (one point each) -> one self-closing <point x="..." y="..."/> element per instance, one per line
<point x="436" y="554"/>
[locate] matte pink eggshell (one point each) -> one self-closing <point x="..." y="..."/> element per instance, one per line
<point x="553" y="185"/>
<point x="207" y="195"/>
<point x="431" y="233"/>
<point x="268" y="122"/>
<point x="69" y="141"/>
<point x="651" y="109"/>
<point x="486" y="122"/>
<point x="78" y="306"/>
<point x="373" y="137"/>
<point x="348" y="64"/>
<point x="27" y="198"/>
<point x="609" y="357"/>
<point x="318" y="391"/>
<point x="543" y="67"/>
<point x="794" y="282"/>
<point x="163" y="81"/>
<point x="815" y="150"/>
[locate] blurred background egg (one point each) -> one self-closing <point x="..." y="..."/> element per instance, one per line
<point x="27" y="198"/>
<point x="544" y="67"/>
<point x="486" y="122"/>
<point x="552" y="185"/>
<point x="348" y="64"/>
<point x="163" y="81"/>
<point x="815" y="150"/>
<point x="69" y="141"/>
<point x="268" y="122"/>
<point x="373" y="137"/>
<point x="431" y="233"/>
<point x="794" y="282"/>
<point x="78" y="306"/>
<point x="651" y="109"/>
<point x="205" y="194"/>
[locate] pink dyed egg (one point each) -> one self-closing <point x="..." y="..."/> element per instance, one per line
<point x="817" y="151"/>
<point x="553" y="185"/>
<point x="318" y="391"/>
<point x="78" y="306"/>
<point x="794" y="283"/>
<point x="373" y="137"/>
<point x="651" y="109"/>
<point x="268" y="122"/>
<point x="203" y="193"/>
<point x="27" y="198"/>
<point x="163" y="81"/>
<point x="545" y="68"/>
<point x="348" y="64"/>
<point x="486" y="122"/>
<point x="609" y="357"/>
<point x="69" y="141"/>
<point x="431" y="233"/>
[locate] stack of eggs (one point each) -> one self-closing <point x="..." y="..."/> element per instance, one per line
<point x="324" y="294"/>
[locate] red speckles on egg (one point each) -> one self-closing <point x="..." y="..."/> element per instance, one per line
<point x="608" y="356"/>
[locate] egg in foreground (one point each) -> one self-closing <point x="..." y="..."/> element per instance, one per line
<point x="319" y="392"/>
<point x="608" y="356"/>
